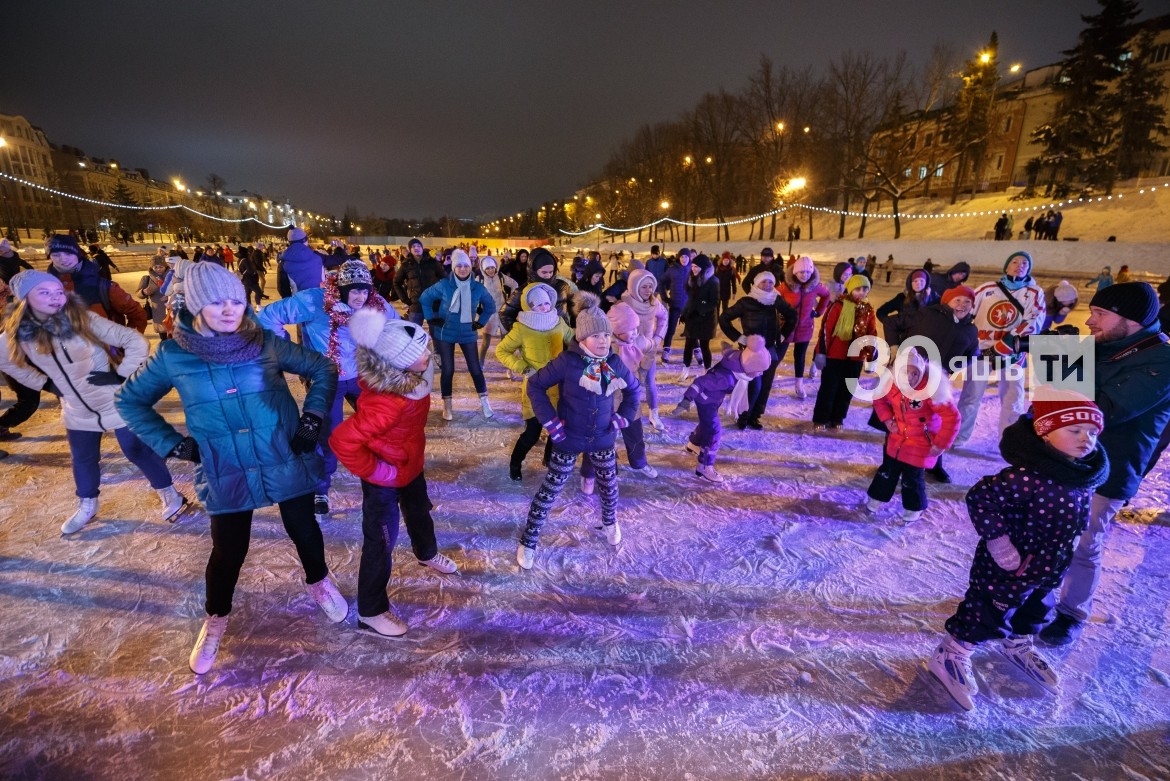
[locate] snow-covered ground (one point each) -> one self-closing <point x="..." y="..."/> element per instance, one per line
<point x="764" y="629"/>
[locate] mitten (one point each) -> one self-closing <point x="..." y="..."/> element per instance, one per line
<point x="435" y="324"/>
<point x="619" y="422"/>
<point x="1004" y="553"/>
<point x="186" y="450"/>
<point x="384" y="474"/>
<point x="105" y="378"/>
<point x="307" y="433"/>
<point x="555" y="429"/>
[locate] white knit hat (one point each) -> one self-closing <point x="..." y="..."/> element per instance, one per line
<point x="398" y="342"/>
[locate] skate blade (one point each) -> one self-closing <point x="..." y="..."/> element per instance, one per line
<point x="946" y="689"/>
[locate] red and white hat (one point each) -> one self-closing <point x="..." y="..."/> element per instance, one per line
<point x="1053" y="409"/>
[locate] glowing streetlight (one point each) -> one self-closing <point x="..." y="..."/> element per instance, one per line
<point x="807" y="128"/>
<point x="779" y="127"/>
<point x="709" y="160"/>
<point x="688" y="160"/>
<point x="984" y="57"/>
<point x="665" y="205"/>
<point x="1015" y="68"/>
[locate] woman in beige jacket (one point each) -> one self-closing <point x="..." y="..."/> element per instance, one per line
<point x="52" y="342"/>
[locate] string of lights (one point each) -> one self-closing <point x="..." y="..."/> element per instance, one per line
<point x="95" y="202"/>
<point x="1069" y="203"/>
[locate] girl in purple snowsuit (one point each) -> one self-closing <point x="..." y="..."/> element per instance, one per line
<point x="708" y="391"/>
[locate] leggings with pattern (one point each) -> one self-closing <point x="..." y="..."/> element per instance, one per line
<point x="560" y="469"/>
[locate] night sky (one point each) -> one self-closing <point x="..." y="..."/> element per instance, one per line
<point x="414" y="109"/>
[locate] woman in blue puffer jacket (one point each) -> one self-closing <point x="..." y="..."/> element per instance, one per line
<point x="457" y="306"/>
<point x="250" y="447"/>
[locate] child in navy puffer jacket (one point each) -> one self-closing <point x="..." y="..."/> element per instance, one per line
<point x="1029" y="517"/>
<point x="708" y="391"/>
<point x="584" y="420"/>
<point x="920" y="428"/>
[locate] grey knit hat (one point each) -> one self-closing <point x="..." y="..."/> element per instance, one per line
<point x="23" y="283"/>
<point x="590" y="319"/>
<point x="398" y="342"/>
<point x="209" y="283"/>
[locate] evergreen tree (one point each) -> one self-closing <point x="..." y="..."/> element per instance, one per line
<point x="1137" y="105"/>
<point x="1077" y="137"/>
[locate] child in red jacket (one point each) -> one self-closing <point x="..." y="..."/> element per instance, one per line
<point x="922" y="422"/>
<point x="383" y="444"/>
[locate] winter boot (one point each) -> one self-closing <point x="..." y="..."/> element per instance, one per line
<point x="514" y="472"/>
<point x="448" y="414"/>
<point x="812" y="371"/>
<point x="655" y="421"/>
<point x="587" y="486"/>
<point x="708" y="473"/>
<point x="1020" y="652"/>
<point x="1062" y="631"/>
<point x="798" y="392"/>
<point x="329" y="599"/>
<point x="86" y="510"/>
<point x="525" y="556"/>
<point x="207" y="644"/>
<point x="951" y="665"/>
<point x="440" y="563"/>
<point x="173" y="503"/>
<point x="484" y="406"/>
<point x="613" y="533"/>
<point x="385" y="625"/>
<point x="645" y="471"/>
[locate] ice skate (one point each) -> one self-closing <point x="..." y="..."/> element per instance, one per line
<point x="484" y="406"/>
<point x="329" y="599"/>
<point x="692" y="448"/>
<point x="525" y="556"/>
<point x="587" y="486"/>
<point x="515" y="473"/>
<point x="798" y="391"/>
<point x="86" y="510"/>
<point x="909" y="516"/>
<point x="873" y="505"/>
<point x="448" y="412"/>
<point x="951" y="665"/>
<point x="708" y="473"/>
<point x="613" y="533"/>
<point x="645" y="471"/>
<point x="207" y="644"/>
<point x="1020" y="652"/>
<point x="385" y="624"/>
<point x="683" y="375"/>
<point x="173" y="503"/>
<point x="440" y="563"/>
<point x="655" y="421"/>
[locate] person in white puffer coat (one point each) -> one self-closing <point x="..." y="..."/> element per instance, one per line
<point x="52" y="341"/>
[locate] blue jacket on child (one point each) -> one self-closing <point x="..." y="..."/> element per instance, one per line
<point x="588" y="416"/>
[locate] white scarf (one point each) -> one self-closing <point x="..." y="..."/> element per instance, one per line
<point x="461" y="301"/>
<point x="539" y="321"/>
<point x="737" y="400"/>
<point x="767" y="299"/>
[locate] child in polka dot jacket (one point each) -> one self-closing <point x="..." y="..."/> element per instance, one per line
<point x="1029" y="517"/>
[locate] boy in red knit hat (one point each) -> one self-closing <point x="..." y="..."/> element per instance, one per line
<point x="1029" y="517"/>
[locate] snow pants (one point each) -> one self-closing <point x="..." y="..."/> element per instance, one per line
<point x="999" y="603"/>
<point x="707" y="434"/>
<point x="885" y="481"/>
<point x="380" y="516"/>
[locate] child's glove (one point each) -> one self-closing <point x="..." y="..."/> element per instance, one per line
<point x="186" y="450"/>
<point x="384" y="474"/>
<point x="307" y="433"/>
<point x="1004" y="553"/>
<point x="556" y="430"/>
<point x="681" y="408"/>
<point x="105" y="378"/>
<point x="619" y="422"/>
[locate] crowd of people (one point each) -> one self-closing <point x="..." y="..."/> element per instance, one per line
<point x="588" y="345"/>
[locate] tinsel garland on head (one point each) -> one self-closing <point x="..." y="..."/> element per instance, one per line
<point x="339" y="313"/>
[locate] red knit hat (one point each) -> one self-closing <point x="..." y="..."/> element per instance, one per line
<point x="1053" y="409"/>
<point x="957" y="291"/>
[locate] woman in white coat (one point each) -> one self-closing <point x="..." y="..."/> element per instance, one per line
<point x="52" y="342"/>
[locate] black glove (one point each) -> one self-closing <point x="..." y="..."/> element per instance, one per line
<point x="476" y="325"/>
<point x="105" y="378"/>
<point x="435" y="324"/>
<point x="186" y="450"/>
<point x="308" y="432"/>
<point x="50" y="387"/>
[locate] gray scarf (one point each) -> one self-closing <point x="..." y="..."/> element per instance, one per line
<point x="461" y="301"/>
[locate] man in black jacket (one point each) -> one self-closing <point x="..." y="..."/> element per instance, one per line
<point x="414" y="275"/>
